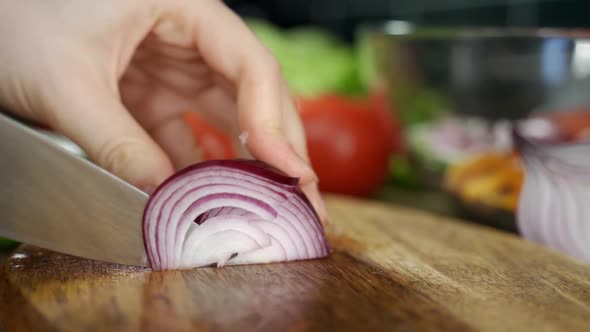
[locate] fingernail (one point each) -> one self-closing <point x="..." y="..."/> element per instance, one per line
<point x="317" y="202"/>
<point x="308" y="169"/>
<point x="315" y="177"/>
<point x="322" y="212"/>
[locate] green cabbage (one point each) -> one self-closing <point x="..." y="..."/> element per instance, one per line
<point x="313" y="61"/>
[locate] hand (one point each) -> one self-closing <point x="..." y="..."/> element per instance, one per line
<point x="114" y="76"/>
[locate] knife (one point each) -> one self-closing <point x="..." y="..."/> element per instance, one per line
<point x="57" y="200"/>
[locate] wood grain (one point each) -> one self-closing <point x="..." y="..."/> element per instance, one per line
<point x="392" y="269"/>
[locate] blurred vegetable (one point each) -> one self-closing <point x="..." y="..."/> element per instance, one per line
<point x="350" y="142"/>
<point x="419" y="104"/>
<point x="571" y="123"/>
<point x="453" y="139"/>
<point x="402" y="172"/>
<point x="493" y="179"/>
<point x="214" y="143"/>
<point x="387" y="116"/>
<point x="368" y="47"/>
<point x="313" y="61"/>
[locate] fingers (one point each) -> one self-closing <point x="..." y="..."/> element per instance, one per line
<point x="176" y="138"/>
<point x="244" y="61"/>
<point x="89" y="113"/>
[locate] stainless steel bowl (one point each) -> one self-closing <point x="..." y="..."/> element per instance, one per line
<point x="492" y="73"/>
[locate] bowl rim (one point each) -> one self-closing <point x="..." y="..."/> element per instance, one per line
<point x="408" y="29"/>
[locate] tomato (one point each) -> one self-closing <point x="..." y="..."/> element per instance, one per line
<point x="349" y="142"/>
<point x="214" y="143"/>
<point x="389" y="122"/>
<point x="574" y="122"/>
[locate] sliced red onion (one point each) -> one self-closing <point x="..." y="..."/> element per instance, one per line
<point x="227" y="212"/>
<point x="554" y="204"/>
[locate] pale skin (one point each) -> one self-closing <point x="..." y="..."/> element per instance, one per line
<point x="114" y="76"/>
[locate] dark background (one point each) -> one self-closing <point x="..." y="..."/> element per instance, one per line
<point x="342" y="16"/>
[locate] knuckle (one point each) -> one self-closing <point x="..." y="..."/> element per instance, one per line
<point x="273" y="66"/>
<point x="118" y="156"/>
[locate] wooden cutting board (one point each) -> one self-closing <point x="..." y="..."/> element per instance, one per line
<point x="393" y="269"/>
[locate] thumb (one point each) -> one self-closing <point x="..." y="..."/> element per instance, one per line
<point x="93" y="116"/>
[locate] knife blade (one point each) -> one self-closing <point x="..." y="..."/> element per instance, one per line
<point x="59" y="201"/>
